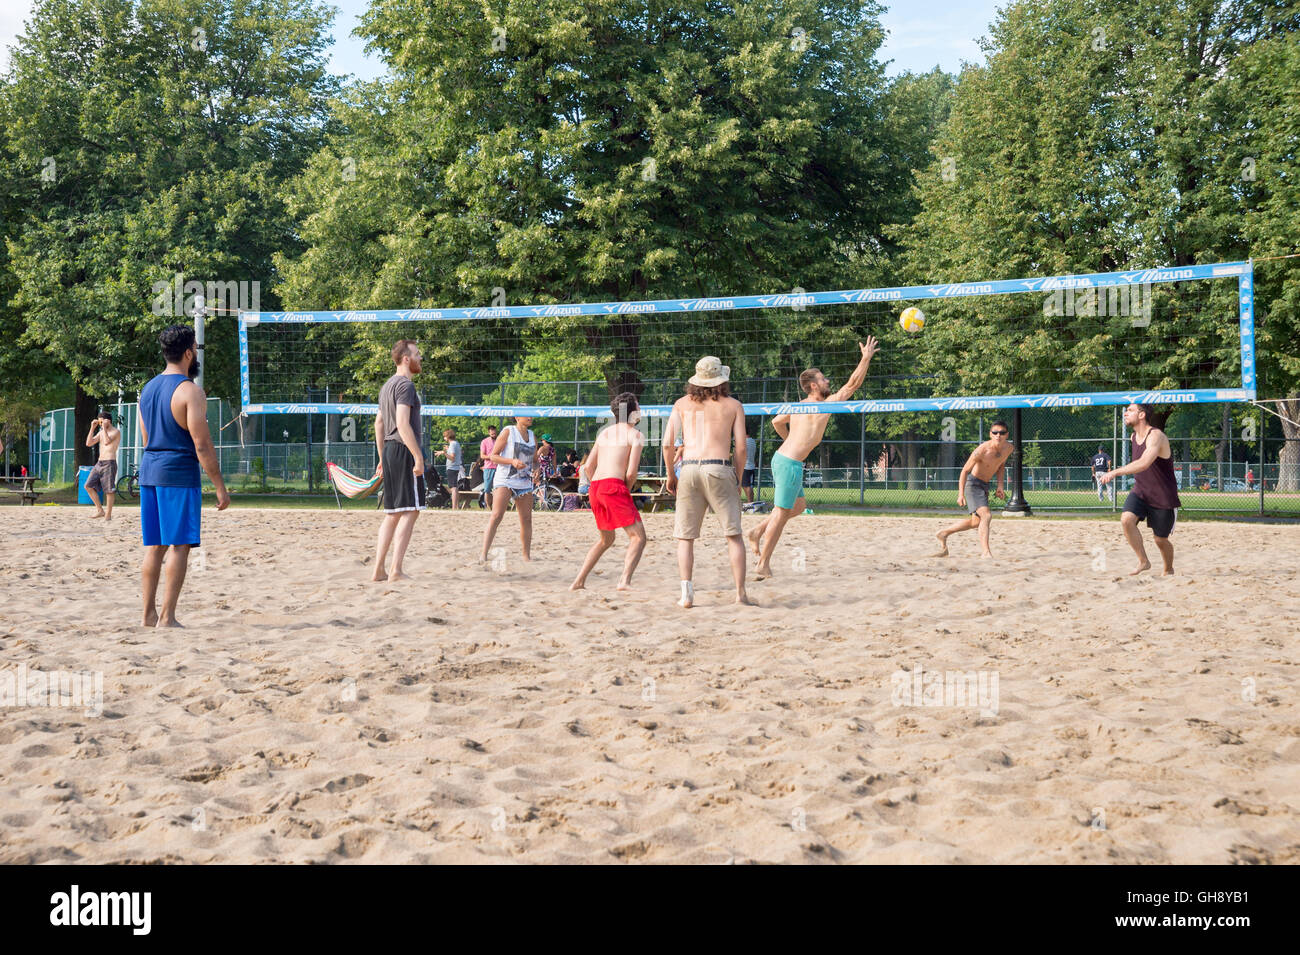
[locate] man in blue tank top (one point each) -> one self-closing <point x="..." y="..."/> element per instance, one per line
<point x="174" y="428"/>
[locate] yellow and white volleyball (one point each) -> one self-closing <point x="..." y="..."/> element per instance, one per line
<point x="912" y="319"/>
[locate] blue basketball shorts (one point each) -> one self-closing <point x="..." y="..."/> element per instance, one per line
<point x="170" y="515"/>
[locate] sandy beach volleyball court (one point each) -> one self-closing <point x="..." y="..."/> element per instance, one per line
<point x="489" y="715"/>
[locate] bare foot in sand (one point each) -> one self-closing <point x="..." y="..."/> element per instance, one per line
<point x="579" y="585"/>
<point x="987" y="555"/>
<point x="378" y="576"/>
<point x="762" y="572"/>
<point x="756" y="542"/>
<point x="168" y="623"/>
<point x="150" y="618"/>
<point x="1145" y="565"/>
<point x="398" y="575"/>
<point x="744" y="599"/>
<point x="943" y="544"/>
<point x="624" y="585"/>
<point x="100" y="514"/>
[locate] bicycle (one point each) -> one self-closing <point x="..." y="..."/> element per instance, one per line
<point x="546" y="496"/>
<point x="128" y="485"/>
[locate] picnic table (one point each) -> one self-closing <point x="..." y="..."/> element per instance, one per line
<point x="27" y="491"/>
<point x="649" y="489"/>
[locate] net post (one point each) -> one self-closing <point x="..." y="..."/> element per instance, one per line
<point x="862" y="459"/>
<point x="1017" y="506"/>
<point x="1260" y="476"/>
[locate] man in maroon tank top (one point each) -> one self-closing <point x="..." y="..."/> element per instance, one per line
<point x="1154" y="497"/>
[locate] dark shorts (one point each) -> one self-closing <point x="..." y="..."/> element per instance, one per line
<point x="747" y="477"/>
<point x="977" y="493"/>
<point x="1159" y="519"/>
<point x="103" y="477"/>
<point x="403" y="491"/>
<point x="453" y="476"/>
<point x="170" y="515"/>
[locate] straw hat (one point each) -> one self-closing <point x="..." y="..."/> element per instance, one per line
<point x="710" y="372"/>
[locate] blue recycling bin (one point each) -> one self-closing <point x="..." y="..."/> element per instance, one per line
<point x="82" y="474"/>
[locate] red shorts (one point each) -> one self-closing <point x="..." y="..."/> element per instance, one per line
<point x="612" y="504"/>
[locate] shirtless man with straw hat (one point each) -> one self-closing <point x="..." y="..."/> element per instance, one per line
<point x="711" y="423"/>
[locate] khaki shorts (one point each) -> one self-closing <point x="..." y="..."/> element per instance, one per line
<point x="707" y="487"/>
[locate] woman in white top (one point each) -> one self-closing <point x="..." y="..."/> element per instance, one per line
<point x="514" y="452"/>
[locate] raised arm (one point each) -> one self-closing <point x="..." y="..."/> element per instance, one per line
<point x="92" y="438"/>
<point x="196" y="423"/>
<point x="860" y="373"/>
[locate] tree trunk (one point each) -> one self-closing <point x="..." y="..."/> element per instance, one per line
<point x="1288" y="459"/>
<point x="84" y="408"/>
<point x="911" y="452"/>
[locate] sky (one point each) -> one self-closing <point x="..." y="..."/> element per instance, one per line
<point x="922" y="34"/>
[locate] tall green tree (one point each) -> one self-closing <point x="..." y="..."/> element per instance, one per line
<point x="611" y="150"/>
<point x="1099" y="136"/>
<point x="30" y="381"/>
<point x="1263" y="86"/>
<point x="153" y="138"/>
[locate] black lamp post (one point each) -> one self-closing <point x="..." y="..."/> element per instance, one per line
<point x="1017" y="506"/>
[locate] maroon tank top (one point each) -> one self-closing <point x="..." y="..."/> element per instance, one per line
<point x="1156" y="485"/>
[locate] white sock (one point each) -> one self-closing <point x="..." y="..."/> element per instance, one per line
<point x="688" y="590"/>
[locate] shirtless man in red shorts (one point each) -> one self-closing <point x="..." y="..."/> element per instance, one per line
<point x="612" y="468"/>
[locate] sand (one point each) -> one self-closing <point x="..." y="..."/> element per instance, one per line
<point x="488" y="715"/>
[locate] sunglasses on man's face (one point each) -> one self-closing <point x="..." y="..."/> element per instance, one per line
<point x="997" y="432"/>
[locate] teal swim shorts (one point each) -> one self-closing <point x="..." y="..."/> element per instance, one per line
<point x="787" y="478"/>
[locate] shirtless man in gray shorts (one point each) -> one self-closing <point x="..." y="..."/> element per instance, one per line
<point x="973" y="487"/>
<point x="103" y="476"/>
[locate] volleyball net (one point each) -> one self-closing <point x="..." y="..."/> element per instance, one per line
<point x="1164" y="336"/>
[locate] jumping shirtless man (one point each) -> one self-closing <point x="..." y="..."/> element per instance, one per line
<point x="103" y="476"/>
<point x="973" y="487"/>
<point x="800" y="433"/>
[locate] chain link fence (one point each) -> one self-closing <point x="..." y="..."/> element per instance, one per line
<point x="1228" y="459"/>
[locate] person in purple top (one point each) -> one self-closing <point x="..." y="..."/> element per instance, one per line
<point x="1154" y="497"/>
<point x="174" y="427"/>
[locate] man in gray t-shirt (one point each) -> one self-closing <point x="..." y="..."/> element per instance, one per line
<point x="399" y="390"/>
<point x="401" y="457"/>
